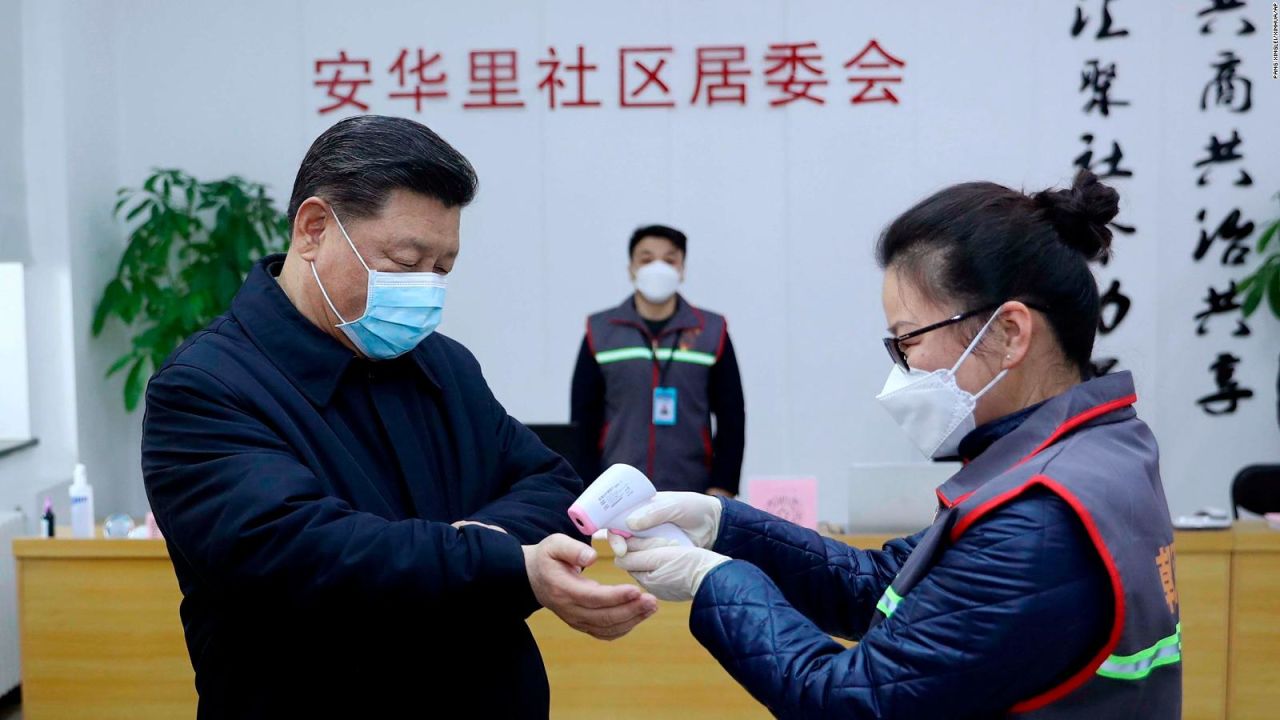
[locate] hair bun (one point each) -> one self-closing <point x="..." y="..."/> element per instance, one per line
<point x="1080" y="215"/>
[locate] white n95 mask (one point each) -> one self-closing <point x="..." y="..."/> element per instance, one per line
<point x="930" y="407"/>
<point x="657" y="281"/>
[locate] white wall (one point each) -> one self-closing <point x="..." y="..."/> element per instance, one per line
<point x="68" y="103"/>
<point x="13" y="237"/>
<point x="782" y="206"/>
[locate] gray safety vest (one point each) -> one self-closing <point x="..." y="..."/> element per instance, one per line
<point x="634" y="363"/>
<point x="1088" y="447"/>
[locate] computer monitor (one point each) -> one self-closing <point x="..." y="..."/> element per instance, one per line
<point x="562" y="439"/>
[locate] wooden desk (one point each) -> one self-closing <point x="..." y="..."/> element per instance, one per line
<point x="1255" y="623"/>
<point x="100" y="631"/>
<point x="101" y="638"/>
<point x="1203" y="568"/>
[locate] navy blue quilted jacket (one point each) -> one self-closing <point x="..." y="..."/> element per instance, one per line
<point x="1017" y="604"/>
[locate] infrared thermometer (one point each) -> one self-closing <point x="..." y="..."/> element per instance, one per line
<point x="612" y="497"/>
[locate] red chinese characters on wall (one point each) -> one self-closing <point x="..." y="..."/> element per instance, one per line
<point x="422" y="80"/>
<point x="494" y="78"/>
<point x="342" y="90"/>
<point x="785" y="74"/>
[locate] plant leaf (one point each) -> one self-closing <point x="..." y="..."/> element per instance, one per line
<point x="1273" y="294"/>
<point x="1251" y="288"/>
<point x="119" y="364"/>
<point x="137" y="210"/>
<point x="1267" y="234"/>
<point x="190" y="244"/>
<point x="110" y="303"/>
<point x="100" y="317"/>
<point x="129" y="305"/>
<point x="135" y="384"/>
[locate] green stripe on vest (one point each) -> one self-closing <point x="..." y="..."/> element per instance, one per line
<point x="1140" y="664"/>
<point x="889" y="602"/>
<point x="664" y="354"/>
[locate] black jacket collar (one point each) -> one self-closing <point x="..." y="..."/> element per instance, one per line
<point x="312" y="360"/>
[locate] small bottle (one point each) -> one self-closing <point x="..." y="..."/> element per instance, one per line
<point x="46" y="520"/>
<point x="81" y="504"/>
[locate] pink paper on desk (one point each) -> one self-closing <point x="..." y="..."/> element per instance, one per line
<point x="793" y="499"/>
<point x="153" y="530"/>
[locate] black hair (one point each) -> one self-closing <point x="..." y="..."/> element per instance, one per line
<point x="355" y="165"/>
<point x="676" y="237"/>
<point x="981" y="244"/>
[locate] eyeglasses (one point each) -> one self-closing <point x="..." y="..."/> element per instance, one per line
<point x="894" y="347"/>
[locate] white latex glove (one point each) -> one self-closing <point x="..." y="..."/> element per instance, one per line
<point x="623" y="545"/>
<point x="668" y="571"/>
<point x="696" y="514"/>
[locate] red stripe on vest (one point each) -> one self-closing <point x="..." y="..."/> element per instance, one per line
<point x="948" y="503"/>
<point x="1078" y="420"/>
<point x="652" y="459"/>
<point x="702" y="320"/>
<point x="1117" y="587"/>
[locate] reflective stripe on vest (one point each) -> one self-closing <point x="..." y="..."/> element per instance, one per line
<point x="889" y="601"/>
<point x="1140" y="664"/>
<point x="1117" y="667"/>
<point x="663" y="355"/>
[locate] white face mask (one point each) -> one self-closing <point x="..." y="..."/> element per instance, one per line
<point x="930" y="407"/>
<point x="657" y="281"/>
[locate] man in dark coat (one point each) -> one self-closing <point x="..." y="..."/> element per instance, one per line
<point x="357" y="525"/>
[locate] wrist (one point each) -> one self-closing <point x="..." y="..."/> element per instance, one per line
<point x="717" y="517"/>
<point x="699" y="577"/>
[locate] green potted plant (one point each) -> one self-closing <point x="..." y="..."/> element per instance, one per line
<point x="189" y="249"/>
<point x="1264" y="282"/>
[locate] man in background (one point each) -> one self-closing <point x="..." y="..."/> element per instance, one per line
<point x="656" y="374"/>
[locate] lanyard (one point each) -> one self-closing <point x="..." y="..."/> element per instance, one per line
<point x="662" y="369"/>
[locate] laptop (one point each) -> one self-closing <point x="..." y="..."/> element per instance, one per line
<point x="895" y="497"/>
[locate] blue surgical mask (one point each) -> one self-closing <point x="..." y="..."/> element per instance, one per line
<point x="401" y="309"/>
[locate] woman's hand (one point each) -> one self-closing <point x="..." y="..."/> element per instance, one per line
<point x="696" y="514"/>
<point x="668" y="571"/>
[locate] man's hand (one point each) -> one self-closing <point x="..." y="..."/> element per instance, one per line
<point x="606" y="612"/>
<point x="461" y="523"/>
<point x="720" y="493"/>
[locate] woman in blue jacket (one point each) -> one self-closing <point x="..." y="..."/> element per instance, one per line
<point x="1045" y="585"/>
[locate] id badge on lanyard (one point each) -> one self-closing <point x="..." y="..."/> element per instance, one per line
<point x="664" y="406"/>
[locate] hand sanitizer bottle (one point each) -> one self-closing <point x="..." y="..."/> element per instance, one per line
<point x="81" y="504"/>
